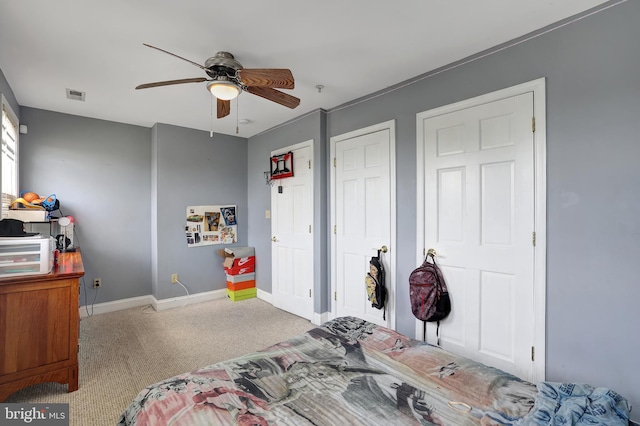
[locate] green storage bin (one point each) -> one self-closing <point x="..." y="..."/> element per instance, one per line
<point x="242" y="294"/>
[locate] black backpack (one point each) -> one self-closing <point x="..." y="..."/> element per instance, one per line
<point x="428" y="293"/>
<point x="375" y="281"/>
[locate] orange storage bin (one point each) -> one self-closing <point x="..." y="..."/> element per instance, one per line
<point x="243" y="285"/>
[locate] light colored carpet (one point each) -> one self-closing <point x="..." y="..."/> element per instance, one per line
<point x="122" y="352"/>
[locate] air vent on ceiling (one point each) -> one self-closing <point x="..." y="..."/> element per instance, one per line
<point x="75" y="95"/>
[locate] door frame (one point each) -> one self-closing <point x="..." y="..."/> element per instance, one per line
<point x="540" y="198"/>
<point x="312" y="262"/>
<point x="391" y="254"/>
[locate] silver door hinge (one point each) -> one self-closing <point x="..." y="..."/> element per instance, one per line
<point x="309" y="162"/>
<point x="309" y="292"/>
<point x="335" y="295"/>
<point x="334" y="161"/>
<point x="533" y="124"/>
<point x="533" y="238"/>
<point x="533" y="353"/>
<point x="335" y="230"/>
<point x="309" y="228"/>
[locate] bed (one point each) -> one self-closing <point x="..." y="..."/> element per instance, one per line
<point x="352" y="372"/>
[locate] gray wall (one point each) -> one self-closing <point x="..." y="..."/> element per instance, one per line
<point x="6" y="90"/>
<point x="100" y="172"/>
<point x="190" y="168"/>
<point x="310" y="127"/>
<point x="593" y="203"/>
<point x="128" y="188"/>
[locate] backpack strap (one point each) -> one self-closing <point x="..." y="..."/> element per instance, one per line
<point x="437" y="268"/>
<point x="424" y="332"/>
<point x="438" y="292"/>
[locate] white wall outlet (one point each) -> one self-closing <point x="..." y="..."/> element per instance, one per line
<point x="174" y="278"/>
<point x="97" y="282"/>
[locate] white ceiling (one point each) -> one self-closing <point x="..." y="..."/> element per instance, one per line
<point x="352" y="47"/>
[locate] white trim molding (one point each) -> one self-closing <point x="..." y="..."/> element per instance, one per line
<point x="116" y="305"/>
<point x="319" y="319"/>
<point x="160" y="305"/>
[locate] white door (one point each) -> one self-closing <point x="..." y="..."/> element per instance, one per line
<point x="292" y="236"/>
<point x="479" y="209"/>
<point x="363" y="219"/>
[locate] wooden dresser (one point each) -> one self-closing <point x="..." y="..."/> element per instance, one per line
<point x="39" y="327"/>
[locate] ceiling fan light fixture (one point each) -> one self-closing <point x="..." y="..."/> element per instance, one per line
<point x="223" y="89"/>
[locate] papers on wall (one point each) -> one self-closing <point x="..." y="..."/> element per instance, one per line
<point x="206" y="225"/>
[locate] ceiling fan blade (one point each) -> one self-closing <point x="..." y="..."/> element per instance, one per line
<point x="266" y="77"/>
<point x="224" y="108"/>
<point x="275" y="96"/>
<point x="170" y="82"/>
<point x="179" y="57"/>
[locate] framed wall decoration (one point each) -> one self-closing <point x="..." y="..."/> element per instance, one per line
<point x="206" y="225"/>
<point x="281" y="165"/>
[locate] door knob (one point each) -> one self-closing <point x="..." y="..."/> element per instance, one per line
<point x="432" y="252"/>
<point x="274" y="239"/>
<point x="383" y="249"/>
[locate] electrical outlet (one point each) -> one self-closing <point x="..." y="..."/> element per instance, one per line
<point x="174" y="278"/>
<point x="97" y="282"/>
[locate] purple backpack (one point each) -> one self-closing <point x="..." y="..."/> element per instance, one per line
<point x="428" y="293"/>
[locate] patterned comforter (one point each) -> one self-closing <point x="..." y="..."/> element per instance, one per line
<point x="345" y="372"/>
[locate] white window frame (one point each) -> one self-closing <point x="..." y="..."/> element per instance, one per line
<point x="13" y="120"/>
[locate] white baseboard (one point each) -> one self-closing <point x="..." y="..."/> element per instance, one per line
<point x="263" y="295"/>
<point x="158" y="305"/>
<point x="177" y="302"/>
<point x="319" y="319"/>
<point x="116" y="305"/>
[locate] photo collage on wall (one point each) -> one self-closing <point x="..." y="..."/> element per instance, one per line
<point x="208" y="225"/>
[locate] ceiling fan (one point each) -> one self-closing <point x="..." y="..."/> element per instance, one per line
<point x="227" y="78"/>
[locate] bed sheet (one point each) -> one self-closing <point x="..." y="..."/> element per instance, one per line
<point x="346" y="372"/>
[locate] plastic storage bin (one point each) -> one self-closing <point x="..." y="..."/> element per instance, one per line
<point x="26" y="255"/>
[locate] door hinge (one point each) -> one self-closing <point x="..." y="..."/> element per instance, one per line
<point x="309" y="162"/>
<point x="334" y="161"/>
<point x="533" y="124"/>
<point x="309" y="292"/>
<point x="335" y="230"/>
<point x="309" y="228"/>
<point x="335" y="295"/>
<point x="533" y="238"/>
<point x="533" y="353"/>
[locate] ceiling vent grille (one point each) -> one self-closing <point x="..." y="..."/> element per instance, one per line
<point x="75" y="95"/>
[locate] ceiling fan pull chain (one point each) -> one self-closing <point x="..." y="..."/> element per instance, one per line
<point x="237" y="119"/>
<point x="211" y="131"/>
